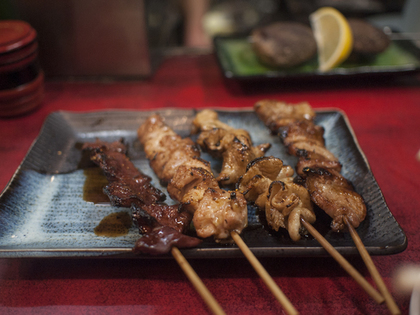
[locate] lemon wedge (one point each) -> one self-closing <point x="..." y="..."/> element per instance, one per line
<point x="333" y="37"/>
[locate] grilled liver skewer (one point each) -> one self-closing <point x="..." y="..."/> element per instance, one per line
<point x="320" y="169"/>
<point x="160" y="225"/>
<point x="130" y="188"/>
<point x="217" y="212"/>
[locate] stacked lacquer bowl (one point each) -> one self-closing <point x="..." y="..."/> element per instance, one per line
<point x="21" y="77"/>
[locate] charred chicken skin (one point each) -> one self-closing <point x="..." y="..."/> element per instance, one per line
<point x="166" y="150"/>
<point x="336" y="196"/>
<point x="319" y="168"/>
<point x="264" y="181"/>
<point x="303" y="138"/>
<point x="269" y="185"/>
<point x="191" y="182"/>
<point x="277" y="114"/>
<point x="233" y="146"/>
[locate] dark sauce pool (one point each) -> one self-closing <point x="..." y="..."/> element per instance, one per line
<point x="114" y="225"/>
<point x="94" y="183"/>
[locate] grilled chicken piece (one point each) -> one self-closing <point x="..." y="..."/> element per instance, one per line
<point x="275" y="114"/>
<point x="325" y="164"/>
<point x="216" y="211"/>
<point x="317" y="166"/>
<point x="311" y="151"/>
<point x="191" y="182"/>
<point x="304" y="139"/>
<point x="219" y="213"/>
<point x="166" y="150"/>
<point x="302" y="131"/>
<point x="286" y="203"/>
<point x="269" y="184"/>
<point x="311" y="154"/>
<point x="207" y="120"/>
<point x="254" y="184"/>
<point x="336" y="196"/>
<point x="234" y="146"/>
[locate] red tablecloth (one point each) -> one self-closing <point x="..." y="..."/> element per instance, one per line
<point x="385" y="116"/>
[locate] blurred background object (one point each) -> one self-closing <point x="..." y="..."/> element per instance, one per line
<point x="21" y="77"/>
<point x="407" y="282"/>
<point x="92" y="38"/>
<point x="410" y="17"/>
<point x="194" y="12"/>
<point x="127" y="39"/>
<point x="225" y="17"/>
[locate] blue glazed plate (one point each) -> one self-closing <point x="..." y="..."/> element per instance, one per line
<point x="43" y="212"/>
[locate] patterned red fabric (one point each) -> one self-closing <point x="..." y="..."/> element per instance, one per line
<point x="385" y="116"/>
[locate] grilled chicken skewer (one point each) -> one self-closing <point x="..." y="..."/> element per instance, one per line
<point x="217" y="212"/>
<point x="233" y="146"/>
<point x="320" y="170"/>
<point x="268" y="183"/>
<point x="270" y="186"/>
<point x="264" y="181"/>
<point x="160" y="224"/>
<point x="327" y="187"/>
<point x="176" y="161"/>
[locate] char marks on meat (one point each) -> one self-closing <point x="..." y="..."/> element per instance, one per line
<point x="234" y="146"/>
<point x="166" y="150"/>
<point x="299" y="133"/>
<point x="216" y="211"/>
<point x="318" y="167"/>
<point x="163" y="214"/>
<point x="269" y="185"/>
<point x="277" y="114"/>
<point x="161" y="239"/>
<point x="191" y="182"/>
<point x="336" y="196"/>
<point x="128" y="187"/>
<point x="126" y="182"/>
<point x="302" y="130"/>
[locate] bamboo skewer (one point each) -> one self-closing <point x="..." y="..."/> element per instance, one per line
<point x="182" y="262"/>
<point x="392" y="306"/>
<point x="284" y="301"/>
<point x="344" y="263"/>
<point x="196" y="282"/>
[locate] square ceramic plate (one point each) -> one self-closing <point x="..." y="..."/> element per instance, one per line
<point x="239" y="63"/>
<point x="43" y="212"/>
